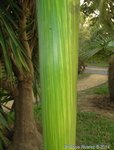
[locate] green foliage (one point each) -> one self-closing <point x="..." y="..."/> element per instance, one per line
<point x="84" y="32"/>
<point x="98" y="60"/>
<point x="13" y="53"/>
<point x="38" y="112"/>
<point x="10" y="118"/>
<point x="103" y="89"/>
<point x="2" y="120"/>
<point x="100" y="47"/>
<point x="4" y="141"/>
<point x="101" y="28"/>
<point x="97" y="43"/>
<point x="89" y="6"/>
<point x="9" y="40"/>
<point x="102" y="12"/>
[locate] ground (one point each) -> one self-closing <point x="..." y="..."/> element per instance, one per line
<point x="91" y="81"/>
<point x="96" y="76"/>
<point x="94" y="102"/>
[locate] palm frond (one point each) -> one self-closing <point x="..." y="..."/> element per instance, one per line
<point x="98" y="42"/>
<point x="11" y="41"/>
<point x="7" y="59"/>
<point x="12" y="45"/>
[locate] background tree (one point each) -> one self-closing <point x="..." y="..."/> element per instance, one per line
<point x="103" y="16"/>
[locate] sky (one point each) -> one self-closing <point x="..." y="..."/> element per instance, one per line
<point x="81" y="2"/>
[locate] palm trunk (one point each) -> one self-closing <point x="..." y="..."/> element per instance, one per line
<point x="26" y="136"/>
<point x="58" y="44"/>
<point x="111" y="78"/>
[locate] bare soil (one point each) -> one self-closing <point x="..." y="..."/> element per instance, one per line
<point x="96" y="103"/>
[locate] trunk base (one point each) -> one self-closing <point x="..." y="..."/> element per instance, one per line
<point x="26" y="135"/>
<point x="31" y="142"/>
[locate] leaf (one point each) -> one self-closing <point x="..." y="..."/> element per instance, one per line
<point x="3" y="120"/>
<point x="111" y="44"/>
<point x="1" y="147"/>
<point x="4" y="139"/>
<point x="13" y="42"/>
<point x="6" y="55"/>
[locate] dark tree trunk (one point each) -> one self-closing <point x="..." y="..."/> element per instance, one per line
<point x="111" y="78"/>
<point x="26" y="136"/>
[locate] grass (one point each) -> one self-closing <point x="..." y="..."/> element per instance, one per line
<point x="101" y="90"/>
<point x="93" y="129"/>
<point x="83" y="75"/>
<point x="98" y="64"/>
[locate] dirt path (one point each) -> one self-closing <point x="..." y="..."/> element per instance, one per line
<point x="96" y="70"/>
<point x="94" y="103"/>
<point x="91" y="81"/>
<point x="97" y="76"/>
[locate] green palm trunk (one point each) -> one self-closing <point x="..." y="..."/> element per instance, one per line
<point x="58" y="22"/>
